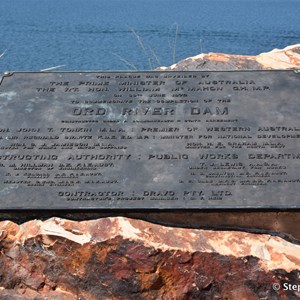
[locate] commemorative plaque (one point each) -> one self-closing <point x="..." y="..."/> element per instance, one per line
<point x="150" y="140"/>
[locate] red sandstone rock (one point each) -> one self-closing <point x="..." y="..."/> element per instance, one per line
<point x="120" y="258"/>
<point x="287" y="58"/>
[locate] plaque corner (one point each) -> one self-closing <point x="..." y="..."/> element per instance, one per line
<point x="5" y="74"/>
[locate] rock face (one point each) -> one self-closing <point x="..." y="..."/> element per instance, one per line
<point x="121" y="258"/>
<point x="287" y="58"/>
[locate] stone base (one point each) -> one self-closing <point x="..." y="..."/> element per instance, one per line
<point x="121" y="258"/>
<point x="279" y="223"/>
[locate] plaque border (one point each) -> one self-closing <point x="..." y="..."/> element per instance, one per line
<point x="114" y="210"/>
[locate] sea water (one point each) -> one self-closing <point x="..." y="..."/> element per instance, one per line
<point x="138" y="34"/>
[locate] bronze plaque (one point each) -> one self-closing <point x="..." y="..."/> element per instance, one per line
<point x="150" y="140"/>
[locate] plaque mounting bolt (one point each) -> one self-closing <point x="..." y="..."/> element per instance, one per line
<point x="7" y="73"/>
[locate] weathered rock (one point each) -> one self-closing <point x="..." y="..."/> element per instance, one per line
<point x="287" y="58"/>
<point x="281" y="223"/>
<point x="120" y="258"/>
